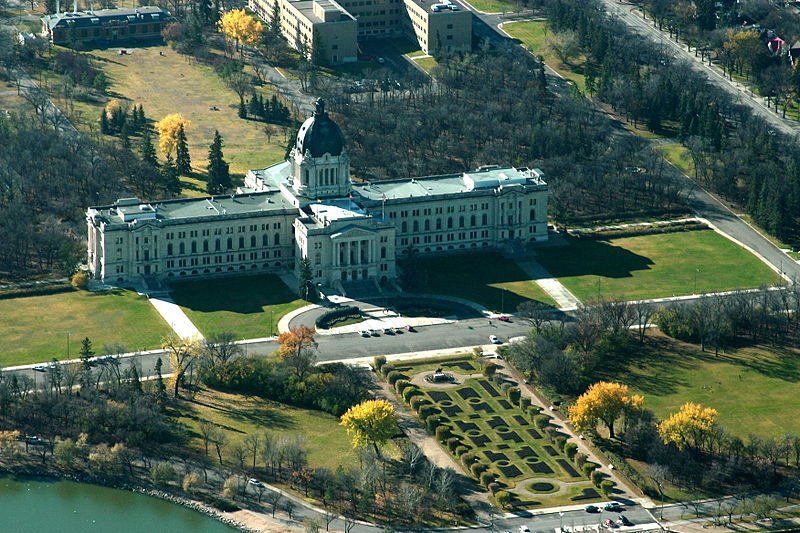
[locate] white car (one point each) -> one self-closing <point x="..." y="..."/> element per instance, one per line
<point x="524" y="529"/>
<point x="256" y="483"/>
<point x="364" y="333"/>
<point x="494" y="339"/>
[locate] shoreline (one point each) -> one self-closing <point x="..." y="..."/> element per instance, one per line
<point x="35" y="474"/>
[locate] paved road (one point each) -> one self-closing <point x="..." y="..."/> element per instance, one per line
<point x="712" y="73"/>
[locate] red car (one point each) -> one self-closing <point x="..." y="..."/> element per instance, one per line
<point x="504" y="318"/>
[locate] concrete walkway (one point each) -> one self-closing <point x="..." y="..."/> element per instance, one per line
<point x="565" y="300"/>
<point x="176" y="318"/>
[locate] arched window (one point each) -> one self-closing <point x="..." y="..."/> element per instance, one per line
<point x="205" y="246"/>
<point x="277" y="239"/>
<point x="194" y="247"/>
<point x="252" y="241"/>
<point x="533" y="215"/>
<point x="169" y="249"/>
<point x="230" y="243"/>
<point x="265" y="240"/>
<point x="485" y="219"/>
<point x="404" y="227"/>
<point x="217" y="245"/>
<point x="182" y="248"/>
<point x="438" y="223"/>
<point x="416" y="226"/>
<point x="461" y="221"/>
<point x="449" y="222"/>
<point x="427" y="225"/>
<point x="472" y="221"/>
<point x="241" y="242"/>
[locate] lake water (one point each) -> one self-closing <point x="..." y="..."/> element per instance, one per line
<point x="68" y="507"/>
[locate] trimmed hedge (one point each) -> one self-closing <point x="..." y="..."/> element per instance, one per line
<point x="580" y="459"/>
<point x="524" y="403"/>
<point x="410" y="392"/>
<point x="560" y="443"/>
<point x="490" y="370"/>
<point x="427" y="410"/>
<point x="514" y="394"/>
<point x="226" y="506"/>
<point x="486" y="478"/>
<point x="36" y="291"/>
<point x="692" y="225"/>
<point x="443" y="433"/>
<point x="541" y="421"/>
<point x="596" y="477"/>
<point x="394" y="376"/>
<point x="588" y="468"/>
<point x="378" y="361"/>
<point x="503" y="498"/>
<point x="570" y="449"/>
<point x="329" y="318"/>
<point x="606" y="487"/>
<point x="400" y="385"/>
<point x="417" y="402"/>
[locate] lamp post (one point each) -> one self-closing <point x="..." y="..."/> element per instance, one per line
<point x="68" y="345"/>
<point x="561" y="525"/>
<point x="270" y="322"/>
<point x="696" y="270"/>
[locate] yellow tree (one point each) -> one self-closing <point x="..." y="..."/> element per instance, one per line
<point x="182" y="353"/>
<point x="372" y="422"/>
<point x="240" y="27"/>
<point x="604" y="402"/>
<point x="297" y="349"/>
<point x="691" y="426"/>
<point x="169" y="131"/>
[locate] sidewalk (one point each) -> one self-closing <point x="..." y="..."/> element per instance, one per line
<point x="565" y="300"/>
<point x="176" y="318"/>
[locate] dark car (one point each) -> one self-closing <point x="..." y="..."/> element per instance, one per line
<point x="614" y="507"/>
<point x="623" y="520"/>
<point x="592" y="509"/>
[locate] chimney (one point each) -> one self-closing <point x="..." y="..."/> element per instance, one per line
<point x="75" y="6"/>
<point x="58" y="7"/>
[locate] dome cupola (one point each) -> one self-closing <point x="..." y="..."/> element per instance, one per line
<point x="319" y="135"/>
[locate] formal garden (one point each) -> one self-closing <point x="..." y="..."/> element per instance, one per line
<point x="494" y="433"/>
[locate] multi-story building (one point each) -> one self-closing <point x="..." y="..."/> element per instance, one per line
<point x="105" y="26"/>
<point x="434" y="24"/>
<point x="307" y="207"/>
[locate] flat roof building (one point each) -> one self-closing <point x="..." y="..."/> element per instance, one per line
<point x="307" y="207"/>
<point x="105" y="26"/>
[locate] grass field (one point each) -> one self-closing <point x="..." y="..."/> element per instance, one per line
<point x="488" y="279"/>
<point x="502" y="436"/>
<point x="171" y="83"/>
<point x="655" y="266"/>
<point x="678" y="155"/>
<point x="426" y="63"/>
<point x="326" y="441"/>
<point x="242" y="305"/>
<point x="492" y="6"/>
<point x="749" y="386"/>
<point x="36" y="328"/>
<point x="534" y="35"/>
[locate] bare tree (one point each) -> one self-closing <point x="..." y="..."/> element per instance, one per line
<point x="219" y="348"/>
<point x="274" y="499"/>
<point x="252" y="443"/>
<point x="642" y="312"/>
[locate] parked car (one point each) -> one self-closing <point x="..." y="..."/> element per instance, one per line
<point x="364" y="333"/>
<point x="592" y="509"/>
<point x="388" y="331"/>
<point x="504" y="318"/>
<point x="524" y="529"/>
<point x="623" y="521"/>
<point x="375" y="333"/>
<point x="256" y="483"/>
<point x="494" y="339"/>
<point x="614" y="507"/>
<point x="399" y="331"/>
<point x="410" y="329"/>
<point x="40" y="368"/>
<point x="609" y="523"/>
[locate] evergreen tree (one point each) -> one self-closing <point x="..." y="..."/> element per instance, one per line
<point x="147" y="151"/>
<point x="218" y="174"/>
<point x="124" y="136"/>
<point x="182" y="160"/>
<point x="305" y="278"/>
<point x="104" y="122"/>
<point x="161" y="388"/>
<point x="170" y="176"/>
<point x="275" y="20"/>
<point x="254" y="105"/>
<point x="242" y="109"/>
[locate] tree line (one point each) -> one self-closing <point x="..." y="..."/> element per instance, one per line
<point x="734" y="153"/>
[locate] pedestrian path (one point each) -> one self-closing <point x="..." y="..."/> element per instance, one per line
<point x="565" y="300"/>
<point x="176" y="318"/>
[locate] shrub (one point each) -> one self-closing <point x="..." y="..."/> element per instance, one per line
<point x="493" y="487"/>
<point x="498" y="379"/>
<point x="606" y="486"/>
<point x="503" y="498"/>
<point x="541" y="421"/>
<point x="588" y="468"/>
<point x="417" y="402"/>
<point x="489" y="370"/>
<point x="163" y="473"/>
<point x="443" y="433"/>
<point x="378" y="361"/>
<point x="467" y="458"/>
<point x="453" y="443"/>
<point x="560" y="443"/>
<point x="596" y="477"/>
<point x="386" y="369"/>
<point x="580" y="459"/>
<point x="570" y="449"/>
<point x="524" y="403"/>
<point x="80" y="280"/>
<point x="486" y="478"/>
<point x="533" y="410"/>
<point x="400" y="385"/>
<point x="513" y="394"/>
<point x="410" y="392"/>
<point x="478" y="468"/>
<point x="433" y="422"/>
<point x="394" y="376"/>
<point x="505" y="386"/>
<point x="329" y="318"/>
<point x="427" y="410"/>
<point x="222" y="504"/>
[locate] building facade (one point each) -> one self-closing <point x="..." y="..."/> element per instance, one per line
<point x="307" y="207"/>
<point x="331" y="29"/>
<point x="105" y="26"/>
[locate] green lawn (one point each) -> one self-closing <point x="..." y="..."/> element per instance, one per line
<point x="492" y="6"/>
<point x="654" y="266"/>
<point x="243" y="305"/>
<point x="426" y="63"/>
<point x="486" y="278"/>
<point x="165" y="82"/>
<point x="326" y="441"/>
<point x="749" y="386"/>
<point x="503" y="436"/>
<point x="36" y="328"/>
<point x="678" y="155"/>
<point x="534" y="35"/>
